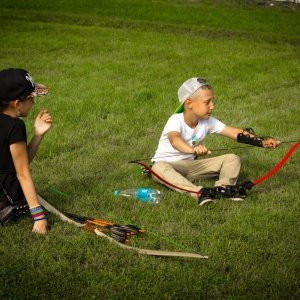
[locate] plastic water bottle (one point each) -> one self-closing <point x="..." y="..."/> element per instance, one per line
<point x="147" y="195"/>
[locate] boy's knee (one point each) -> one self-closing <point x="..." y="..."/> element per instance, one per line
<point x="161" y="167"/>
<point x="233" y="158"/>
<point x="158" y="166"/>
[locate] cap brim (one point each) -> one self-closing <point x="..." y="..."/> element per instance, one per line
<point x="179" y="109"/>
<point x="40" y="90"/>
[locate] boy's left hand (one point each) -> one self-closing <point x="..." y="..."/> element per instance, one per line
<point x="42" y="122"/>
<point x="271" y="143"/>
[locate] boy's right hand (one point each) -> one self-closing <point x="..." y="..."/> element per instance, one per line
<point x="40" y="227"/>
<point x="201" y="150"/>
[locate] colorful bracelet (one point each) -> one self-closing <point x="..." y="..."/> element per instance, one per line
<point x="34" y="207"/>
<point x="37" y="213"/>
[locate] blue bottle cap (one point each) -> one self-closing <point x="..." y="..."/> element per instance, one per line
<point x="116" y="192"/>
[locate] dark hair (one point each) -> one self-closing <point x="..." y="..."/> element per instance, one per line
<point x="4" y="104"/>
<point x="207" y="86"/>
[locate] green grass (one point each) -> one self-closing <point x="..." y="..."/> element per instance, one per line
<point x="113" y="70"/>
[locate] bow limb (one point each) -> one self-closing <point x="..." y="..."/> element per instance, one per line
<point x="53" y="210"/>
<point x="56" y="212"/>
<point x="280" y="164"/>
<point x="152" y="252"/>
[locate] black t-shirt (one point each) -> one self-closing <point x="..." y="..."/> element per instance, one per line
<point x="12" y="130"/>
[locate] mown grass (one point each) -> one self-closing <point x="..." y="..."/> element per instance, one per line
<point x="113" y="70"/>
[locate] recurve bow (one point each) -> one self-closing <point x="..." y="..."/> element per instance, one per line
<point x="53" y="210"/>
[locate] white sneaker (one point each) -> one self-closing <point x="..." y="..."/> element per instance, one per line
<point x="237" y="198"/>
<point x="203" y="200"/>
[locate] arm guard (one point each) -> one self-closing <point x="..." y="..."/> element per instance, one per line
<point x="245" y="138"/>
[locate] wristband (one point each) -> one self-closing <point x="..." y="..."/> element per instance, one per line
<point x="34" y="207"/>
<point x="37" y="213"/>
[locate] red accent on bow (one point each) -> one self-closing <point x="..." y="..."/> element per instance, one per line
<point x="281" y="163"/>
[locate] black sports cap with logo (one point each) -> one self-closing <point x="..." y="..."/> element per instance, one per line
<point x="18" y="84"/>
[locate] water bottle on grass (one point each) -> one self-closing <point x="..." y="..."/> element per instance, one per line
<point x="147" y="195"/>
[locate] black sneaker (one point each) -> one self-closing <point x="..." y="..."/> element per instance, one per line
<point x="229" y="192"/>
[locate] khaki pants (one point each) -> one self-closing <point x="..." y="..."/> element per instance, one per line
<point x="183" y="172"/>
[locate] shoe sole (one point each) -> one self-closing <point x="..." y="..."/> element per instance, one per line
<point x="237" y="199"/>
<point x="206" y="201"/>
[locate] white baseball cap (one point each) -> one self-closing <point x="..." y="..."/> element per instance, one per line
<point x="187" y="89"/>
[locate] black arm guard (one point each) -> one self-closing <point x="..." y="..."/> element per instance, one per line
<point x="246" y="139"/>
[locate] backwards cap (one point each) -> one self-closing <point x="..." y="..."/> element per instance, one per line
<point x="187" y="89"/>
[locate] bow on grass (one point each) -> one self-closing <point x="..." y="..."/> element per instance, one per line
<point x="120" y="233"/>
<point x="246" y="185"/>
<point x="98" y="232"/>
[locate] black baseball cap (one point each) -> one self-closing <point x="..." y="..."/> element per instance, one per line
<point x="18" y="84"/>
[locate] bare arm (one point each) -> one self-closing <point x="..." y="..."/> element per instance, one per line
<point x="231" y="132"/>
<point x="21" y="163"/>
<point x="180" y="145"/>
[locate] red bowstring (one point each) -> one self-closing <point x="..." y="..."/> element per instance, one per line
<point x="281" y="163"/>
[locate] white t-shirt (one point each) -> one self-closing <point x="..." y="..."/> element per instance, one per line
<point x="193" y="137"/>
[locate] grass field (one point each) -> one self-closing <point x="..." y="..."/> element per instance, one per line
<point x="113" y="70"/>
